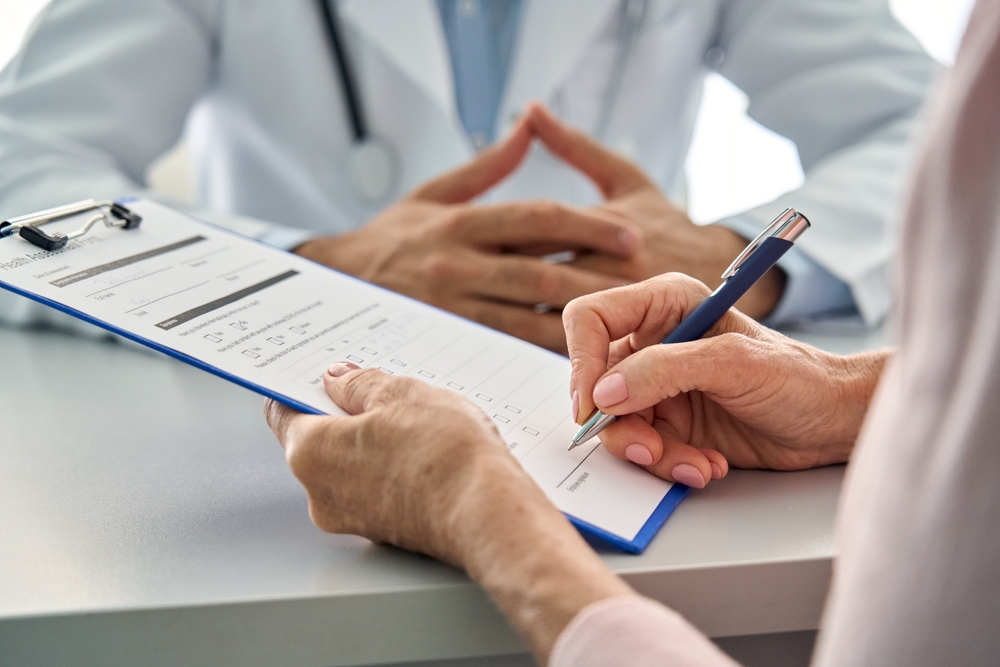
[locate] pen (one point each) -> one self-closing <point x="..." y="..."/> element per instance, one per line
<point x="755" y="260"/>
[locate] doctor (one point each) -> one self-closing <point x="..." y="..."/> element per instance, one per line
<point x="307" y="120"/>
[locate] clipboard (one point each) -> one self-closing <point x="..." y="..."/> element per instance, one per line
<point x="272" y="322"/>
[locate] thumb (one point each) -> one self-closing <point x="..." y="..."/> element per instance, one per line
<point x="358" y="390"/>
<point x="613" y="175"/>
<point x="481" y="173"/>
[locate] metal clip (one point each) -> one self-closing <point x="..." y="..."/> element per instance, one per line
<point x="111" y="213"/>
<point x="788" y="226"/>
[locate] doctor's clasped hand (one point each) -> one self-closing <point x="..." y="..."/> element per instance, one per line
<point x="476" y="260"/>
<point x="670" y="240"/>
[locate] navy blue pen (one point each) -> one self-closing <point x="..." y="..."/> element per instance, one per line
<point x="755" y="260"/>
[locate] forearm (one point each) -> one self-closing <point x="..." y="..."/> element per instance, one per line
<point x="529" y="558"/>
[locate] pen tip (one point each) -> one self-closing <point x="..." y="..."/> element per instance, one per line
<point x="573" y="445"/>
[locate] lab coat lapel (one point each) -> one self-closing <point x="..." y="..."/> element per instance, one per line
<point x="552" y="37"/>
<point x="411" y="37"/>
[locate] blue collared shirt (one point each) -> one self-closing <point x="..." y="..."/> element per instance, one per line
<point x="480" y="35"/>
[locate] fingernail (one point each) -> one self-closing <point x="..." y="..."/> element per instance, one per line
<point x="638" y="454"/>
<point x="716" y="471"/>
<point x="612" y="390"/>
<point x="341" y="367"/>
<point x="576" y="406"/>
<point x="685" y="473"/>
<point x="628" y="240"/>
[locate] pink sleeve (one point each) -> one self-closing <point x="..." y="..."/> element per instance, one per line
<point x="634" y="631"/>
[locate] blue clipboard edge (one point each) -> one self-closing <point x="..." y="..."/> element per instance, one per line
<point x="637" y="545"/>
<point x="166" y="350"/>
<point x="649" y="529"/>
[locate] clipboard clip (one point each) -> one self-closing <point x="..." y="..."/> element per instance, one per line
<point x="111" y="213"/>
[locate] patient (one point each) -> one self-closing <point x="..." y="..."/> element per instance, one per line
<point x="918" y="561"/>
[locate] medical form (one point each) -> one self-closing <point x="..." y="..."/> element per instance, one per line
<point x="274" y="322"/>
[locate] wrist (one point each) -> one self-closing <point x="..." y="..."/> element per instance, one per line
<point x="860" y="378"/>
<point x="856" y="378"/>
<point x="344" y="252"/>
<point x="529" y="558"/>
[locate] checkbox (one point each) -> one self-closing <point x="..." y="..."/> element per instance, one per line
<point x="511" y="408"/>
<point x="357" y="360"/>
<point x="529" y="430"/>
<point x="501" y="418"/>
<point x="484" y="397"/>
<point x="213" y="338"/>
<point x="251" y="354"/>
<point x="455" y="385"/>
<point x="427" y="374"/>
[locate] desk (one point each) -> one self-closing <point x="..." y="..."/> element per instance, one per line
<point x="147" y="517"/>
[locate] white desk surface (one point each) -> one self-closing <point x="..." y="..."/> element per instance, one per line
<point x="147" y="517"/>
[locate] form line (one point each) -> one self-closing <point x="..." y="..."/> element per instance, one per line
<point x="207" y="254"/>
<point x="125" y="282"/>
<point x="578" y="465"/>
<point x="167" y="296"/>
<point x="228" y="273"/>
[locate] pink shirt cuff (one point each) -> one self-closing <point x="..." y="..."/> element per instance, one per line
<point x="635" y="631"/>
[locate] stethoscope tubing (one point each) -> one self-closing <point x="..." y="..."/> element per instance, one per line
<point x="348" y="84"/>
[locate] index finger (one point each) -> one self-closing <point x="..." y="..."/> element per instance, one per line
<point x="611" y="173"/>
<point x="481" y="173"/>
<point x="642" y="312"/>
<point x="284" y="421"/>
<point x="542" y="222"/>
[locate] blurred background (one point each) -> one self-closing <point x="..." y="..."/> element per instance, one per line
<point x="734" y="163"/>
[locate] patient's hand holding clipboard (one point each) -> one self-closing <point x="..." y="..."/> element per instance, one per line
<point x="274" y="322"/>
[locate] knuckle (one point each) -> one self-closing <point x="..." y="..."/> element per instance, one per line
<point x="734" y="343"/>
<point x="546" y="283"/>
<point x="582" y="306"/>
<point x="675" y="281"/>
<point x="300" y="454"/>
<point x="361" y="383"/>
<point x="546" y="213"/>
<point x="324" y="515"/>
<point x="573" y="309"/>
<point x="440" y="268"/>
<point x="455" y="220"/>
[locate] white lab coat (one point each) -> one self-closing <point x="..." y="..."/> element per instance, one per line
<point x="103" y="87"/>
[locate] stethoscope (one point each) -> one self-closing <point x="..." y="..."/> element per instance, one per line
<point x="375" y="163"/>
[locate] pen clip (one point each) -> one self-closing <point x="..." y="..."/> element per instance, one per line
<point x="788" y="226"/>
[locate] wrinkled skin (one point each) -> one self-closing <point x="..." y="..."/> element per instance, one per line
<point x="422" y="469"/>
<point x="743" y="395"/>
